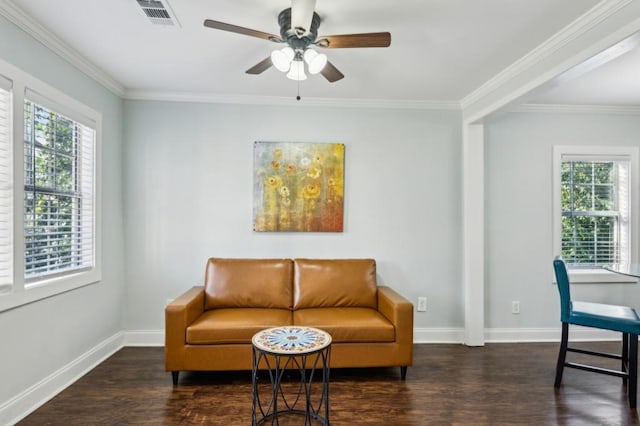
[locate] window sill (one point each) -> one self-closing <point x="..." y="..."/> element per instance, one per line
<point x="47" y="288"/>
<point x="599" y="276"/>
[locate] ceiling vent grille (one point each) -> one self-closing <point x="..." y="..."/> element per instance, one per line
<point x="158" y="12"/>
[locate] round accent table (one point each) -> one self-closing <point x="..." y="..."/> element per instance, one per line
<point x="289" y="351"/>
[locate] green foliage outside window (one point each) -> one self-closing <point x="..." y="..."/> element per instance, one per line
<point x="590" y="219"/>
<point x="51" y="191"/>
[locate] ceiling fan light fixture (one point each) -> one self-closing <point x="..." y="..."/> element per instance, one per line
<point x="316" y="61"/>
<point x="296" y="72"/>
<point x="298" y="31"/>
<point x="282" y="58"/>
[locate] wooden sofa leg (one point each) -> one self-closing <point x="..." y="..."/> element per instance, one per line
<point x="174" y="377"/>
<point x="403" y="372"/>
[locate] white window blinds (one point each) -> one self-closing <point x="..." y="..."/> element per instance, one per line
<point x="6" y="188"/>
<point x="59" y="216"/>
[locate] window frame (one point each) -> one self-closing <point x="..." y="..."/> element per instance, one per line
<point x="630" y="153"/>
<point x="6" y="189"/>
<point x="24" y="291"/>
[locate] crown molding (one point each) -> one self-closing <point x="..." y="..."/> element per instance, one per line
<point x="16" y="15"/>
<point x="593" y="17"/>
<point x="206" y="97"/>
<point x="579" y="109"/>
<point x="580" y="26"/>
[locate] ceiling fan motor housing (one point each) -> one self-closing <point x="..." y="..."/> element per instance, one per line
<point x="291" y="35"/>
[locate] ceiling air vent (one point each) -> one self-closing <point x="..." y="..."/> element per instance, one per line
<point x="158" y="12"/>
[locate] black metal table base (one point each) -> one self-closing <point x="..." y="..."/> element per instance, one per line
<point x="281" y="366"/>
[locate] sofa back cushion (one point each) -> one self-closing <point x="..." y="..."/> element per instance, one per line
<point x="248" y="283"/>
<point x="322" y="283"/>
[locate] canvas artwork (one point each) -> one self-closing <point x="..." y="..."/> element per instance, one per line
<point x="298" y="187"/>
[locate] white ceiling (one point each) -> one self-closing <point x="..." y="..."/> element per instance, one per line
<point x="613" y="83"/>
<point x="441" y="50"/>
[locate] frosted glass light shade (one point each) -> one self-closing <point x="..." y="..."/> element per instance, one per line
<point x="297" y="71"/>
<point x="282" y="58"/>
<point x="316" y="61"/>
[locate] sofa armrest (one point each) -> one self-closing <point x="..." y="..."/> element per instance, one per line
<point x="179" y="314"/>
<point x="399" y="311"/>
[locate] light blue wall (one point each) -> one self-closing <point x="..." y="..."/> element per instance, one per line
<point x="177" y="189"/>
<point x="519" y="244"/>
<point x="38" y="339"/>
<point x="188" y="169"/>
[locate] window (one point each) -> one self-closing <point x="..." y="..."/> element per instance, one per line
<point x="49" y="190"/>
<point x="58" y="193"/>
<point x="593" y="209"/>
<point x="595" y="212"/>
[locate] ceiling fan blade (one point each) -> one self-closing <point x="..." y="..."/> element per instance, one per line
<point x="241" y="30"/>
<point x="331" y="73"/>
<point x="355" y="40"/>
<point x="261" y="66"/>
<point x="301" y="15"/>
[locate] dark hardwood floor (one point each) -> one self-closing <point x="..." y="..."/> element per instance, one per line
<point x="498" y="384"/>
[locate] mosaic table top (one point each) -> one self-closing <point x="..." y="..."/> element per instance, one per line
<point x="291" y="340"/>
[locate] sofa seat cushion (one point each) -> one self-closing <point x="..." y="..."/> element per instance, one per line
<point x="347" y="324"/>
<point x="237" y="325"/>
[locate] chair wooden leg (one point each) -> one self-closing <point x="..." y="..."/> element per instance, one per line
<point x="633" y="370"/>
<point x="562" y="355"/>
<point x="625" y="356"/>
<point x="174" y="377"/>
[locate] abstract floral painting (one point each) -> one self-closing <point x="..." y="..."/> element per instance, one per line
<point x="298" y="187"/>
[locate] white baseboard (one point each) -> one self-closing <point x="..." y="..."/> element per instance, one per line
<point x="21" y="405"/>
<point x="513" y="335"/>
<point x="437" y="335"/>
<point x="30" y="399"/>
<point x="420" y="335"/>
<point x="522" y="335"/>
<point x="144" y="338"/>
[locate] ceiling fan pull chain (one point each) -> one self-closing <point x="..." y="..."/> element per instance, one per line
<point x="298" y="97"/>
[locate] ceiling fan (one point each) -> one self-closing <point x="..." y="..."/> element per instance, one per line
<point x="299" y="32"/>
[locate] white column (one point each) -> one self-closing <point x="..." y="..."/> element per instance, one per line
<point x="473" y="232"/>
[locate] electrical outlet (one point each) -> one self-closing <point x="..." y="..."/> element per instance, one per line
<point x="515" y="307"/>
<point x="422" y="304"/>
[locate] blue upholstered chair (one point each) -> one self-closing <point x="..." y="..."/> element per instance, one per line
<point x="598" y="315"/>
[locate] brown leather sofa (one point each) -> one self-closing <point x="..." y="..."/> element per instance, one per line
<point x="210" y="327"/>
